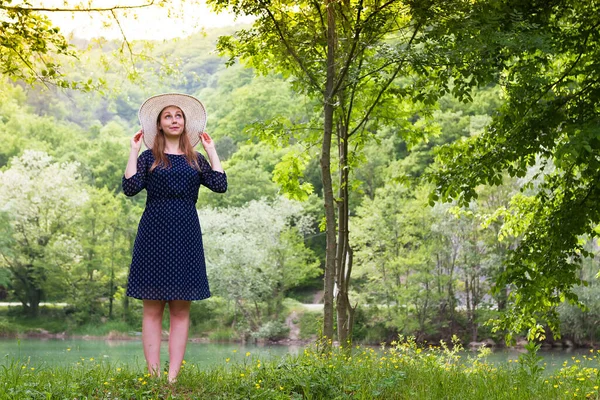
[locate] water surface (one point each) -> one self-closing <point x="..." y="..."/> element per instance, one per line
<point x="57" y="352"/>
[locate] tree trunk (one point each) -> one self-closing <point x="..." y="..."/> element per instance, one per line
<point x="33" y="298"/>
<point x="328" y="108"/>
<point x="343" y="258"/>
<point x="31" y="294"/>
<point x="475" y="301"/>
<point x="468" y="294"/>
<point x="111" y="289"/>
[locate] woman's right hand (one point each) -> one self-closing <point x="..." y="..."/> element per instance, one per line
<point x="136" y="140"/>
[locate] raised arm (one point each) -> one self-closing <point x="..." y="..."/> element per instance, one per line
<point x="211" y="152"/>
<point x="212" y="175"/>
<point x="135" y="146"/>
<point x="134" y="179"/>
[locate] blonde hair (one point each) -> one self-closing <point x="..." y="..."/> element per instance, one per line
<point x="158" y="149"/>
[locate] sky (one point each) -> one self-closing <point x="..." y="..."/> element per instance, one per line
<point x="180" y="18"/>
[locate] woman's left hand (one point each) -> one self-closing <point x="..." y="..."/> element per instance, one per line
<point x="207" y="141"/>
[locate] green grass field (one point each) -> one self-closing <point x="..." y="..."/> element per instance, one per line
<point x="402" y="371"/>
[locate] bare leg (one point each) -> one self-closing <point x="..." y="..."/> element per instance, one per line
<point x="179" y="312"/>
<point x="151" y="334"/>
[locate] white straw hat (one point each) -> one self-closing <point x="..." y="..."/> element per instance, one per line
<point x="193" y="109"/>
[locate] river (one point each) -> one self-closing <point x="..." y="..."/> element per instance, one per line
<point x="55" y="352"/>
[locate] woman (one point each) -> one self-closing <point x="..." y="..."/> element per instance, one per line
<point x="168" y="258"/>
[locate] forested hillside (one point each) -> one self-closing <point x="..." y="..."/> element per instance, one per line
<point x="420" y="268"/>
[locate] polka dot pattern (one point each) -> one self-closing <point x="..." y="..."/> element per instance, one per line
<point x="168" y="256"/>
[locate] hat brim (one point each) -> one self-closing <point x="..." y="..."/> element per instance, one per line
<point x="193" y="109"/>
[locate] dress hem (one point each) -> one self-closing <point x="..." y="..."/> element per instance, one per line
<point x="173" y="299"/>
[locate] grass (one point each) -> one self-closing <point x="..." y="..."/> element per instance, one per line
<point x="402" y="371"/>
<point x="104" y="329"/>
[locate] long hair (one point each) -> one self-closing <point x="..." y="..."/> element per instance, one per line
<point x="158" y="150"/>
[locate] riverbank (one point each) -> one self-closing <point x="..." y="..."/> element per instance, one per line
<point x="403" y="371"/>
<point x="303" y="328"/>
<point x="42" y="334"/>
<point x="299" y="327"/>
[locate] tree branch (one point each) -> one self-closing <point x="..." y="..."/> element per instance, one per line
<point x="289" y="47"/>
<point x="566" y="72"/>
<point x="30" y="67"/>
<point x="355" y="40"/>
<point x="59" y="9"/>
<point x="124" y="38"/>
<point x="318" y="8"/>
<point x="385" y="87"/>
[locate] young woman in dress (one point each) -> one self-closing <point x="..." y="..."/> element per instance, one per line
<point x="168" y="264"/>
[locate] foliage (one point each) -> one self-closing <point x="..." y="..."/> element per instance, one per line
<point x="346" y="56"/>
<point x="255" y="254"/>
<point x="310" y="325"/>
<point x="423" y="270"/>
<point x="7" y="329"/>
<point x="544" y="57"/>
<point x="499" y="56"/>
<point x="33" y="50"/>
<point x="40" y="199"/>
<point x="581" y="325"/>
<point x="530" y="361"/>
<point x="249" y="174"/>
<point x="100" y="233"/>
<point x="402" y="371"/>
<point x="30" y="45"/>
<point x="242" y="105"/>
<point x="272" y="330"/>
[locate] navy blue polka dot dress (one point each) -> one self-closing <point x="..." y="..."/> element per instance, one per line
<point x="168" y="257"/>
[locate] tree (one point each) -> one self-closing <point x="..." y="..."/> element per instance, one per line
<point x="396" y="263"/>
<point x="33" y="50"/>
<point x="255" y="254"/>
<point x="545" y="56"/>
<point x="102" y="229"/>
<point x="347" y="56"/>
<point x="249" y="175"/>
<point x="40" y="200"/>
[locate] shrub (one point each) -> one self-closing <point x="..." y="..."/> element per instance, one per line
<point x="7" y="329"/>
<point x="311" y="323"/>
<point x="272" y="330"/>
<point x="222" y="335"/>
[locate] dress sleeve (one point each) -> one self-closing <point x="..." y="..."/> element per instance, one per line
<point x="135" y="184"/>
<point x="214" y="180"/>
